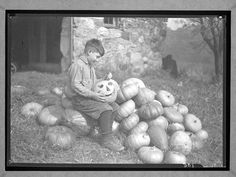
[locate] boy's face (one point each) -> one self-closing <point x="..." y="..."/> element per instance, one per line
<point x="93" y="57"/>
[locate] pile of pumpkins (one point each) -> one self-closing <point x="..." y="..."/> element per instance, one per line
<point x="155" y="126"/>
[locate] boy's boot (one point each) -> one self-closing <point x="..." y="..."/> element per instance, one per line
<point x="108" y="139"/>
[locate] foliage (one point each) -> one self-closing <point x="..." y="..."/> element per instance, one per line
<point x="212" y="30"/>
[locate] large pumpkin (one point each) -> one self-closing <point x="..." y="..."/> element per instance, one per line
<point x="139" y="128"/>
<point x="151" y="154"/>
<point x="76" y="121"/>
<point x="51" y="115"/>
<point x="158" y="137"/>
<point x="135" y="81"/>
<point x="180" y="142"/>
<point x="150" y="110"/>
<point x="144" y="96"/>
<point x="107" y="87"/>
<point x="161" y="121"/>
<point x="60" y="136"/>
<point x="129" y="122"/>
<point x="125" y="110"/>
<point x="135" y="141"/>
<point x="126" y="92"/>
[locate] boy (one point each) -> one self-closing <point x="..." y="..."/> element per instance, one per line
<point x="81" y="79"/>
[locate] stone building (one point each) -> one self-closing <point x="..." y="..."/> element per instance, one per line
<point x="46" y="42"/>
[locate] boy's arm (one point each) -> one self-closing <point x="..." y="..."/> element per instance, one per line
<point x="76" y="74"/>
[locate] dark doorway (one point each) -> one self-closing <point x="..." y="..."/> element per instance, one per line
<point x="35" y="40"/>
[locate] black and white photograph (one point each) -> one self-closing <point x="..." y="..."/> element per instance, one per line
<point x="144" y="90"/>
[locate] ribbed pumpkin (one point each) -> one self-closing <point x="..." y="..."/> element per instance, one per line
<point x="129" y="122"/>
<point x="135" y="141"/>
<point x="150" y="110"/>
<point x="139" y="128"/>
<point x="173" y="157"/>
<point x="151" y="154"/>
<point x="144" y="96"/>
<point x="126" y="109"/>
<point x="76" y="121"/>
<point x="51" y="115"/>
<point x="126" y="92"/>
<point x="158" y="137"/>
<point x="173" y="115"/>
<point x="135" y="81"/>
<point x="31" y="109"/>
<point x="60" y="136"/>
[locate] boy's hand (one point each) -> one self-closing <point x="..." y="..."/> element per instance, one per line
<point x="99" y="97"/>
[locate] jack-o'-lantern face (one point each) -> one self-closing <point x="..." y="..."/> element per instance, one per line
<point x="105" y="87"/>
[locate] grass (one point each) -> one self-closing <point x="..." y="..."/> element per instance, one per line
<point x="27" y="136"/>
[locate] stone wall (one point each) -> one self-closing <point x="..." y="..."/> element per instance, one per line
<point x="129" y="50"/>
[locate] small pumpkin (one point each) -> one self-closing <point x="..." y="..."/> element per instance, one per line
<point x="173" y="157"/>
<point x="158" y="137"/>
<point x="161" y="121"/>
<point x="57" y="91"/>
<point x="31" y="109"/>
<point x="150" y="154"/>
<point x="173" y="115"/>
<point x="135" y="81"/>
<point x="165" y="97"/>
<point x="76" y="122"/>
<point x="139" y="128"/>
<point x="60" y="136"/>
<point x="129" y="122"/>
<point x="51" y="115"/>
<point x="182" y="109"/>
<point x="150" y="111"/>
<point x="202" y="134"/>
<point x="126" y="109"/>
<point x="173" y="127"/>
<point x="135" y="141"/>
<point x="180" y="142"/>
<point x="126" y="92"/>
<point x="192" y="123"/>
<point x="144" y="96"/>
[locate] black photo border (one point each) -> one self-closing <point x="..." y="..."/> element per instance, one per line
<point x="121" y="167"/>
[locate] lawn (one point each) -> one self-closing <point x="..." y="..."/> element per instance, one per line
<point x="27" y="143"/>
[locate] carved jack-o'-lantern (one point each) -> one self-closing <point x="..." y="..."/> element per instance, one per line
<point x="106" y="87"/>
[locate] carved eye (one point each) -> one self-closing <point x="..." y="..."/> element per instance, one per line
<point x="100" y="86"/>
